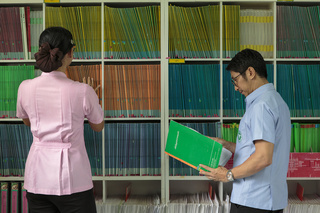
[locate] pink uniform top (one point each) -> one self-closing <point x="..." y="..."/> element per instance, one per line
<point x="56" y="106"/>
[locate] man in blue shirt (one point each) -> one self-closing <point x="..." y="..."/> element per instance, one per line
<point x="261" y="153"/>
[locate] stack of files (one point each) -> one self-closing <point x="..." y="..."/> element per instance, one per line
<point x="132" y="33"/>
<point x="16" y="140"/>
<point x="20" y="28"/>
<point x="23" y="199"/>
<point x="84" y="22"/>
<point x="36" y="28"/>
<point x="226" y="205"/>
<point x="132" y="90"/>
<point x="111" y="205"/>
<point x="11" y="25"/>
<point x="256" y="31"/>
<point x="230" y="132"/>
<point x="299" y="87"/>
<point x="310" y="204"/>
<point x="177" y="168"/>
<point x="194" y="32"/>
<point x="13" y="198"/>
<point x="193" y="203"/>
<point x="270" y="73"/>
<point x="15" y="192"/>
<point x="143" y="204"/>
<point x="304" y="165"/>
<point x="231" y="30"/>
<point x="223" y="202"/>
<point x="10" y="79"/>
<point x="194" y="90"/>
<point x="132" y="149"/>
<point x="5" y="197"/>
<point x="305" y="137"/>
<point x="13" y="29"/>
<point x="83" y="72"/>
<point x="297" y="36"/>
<point x="233" y="101"/>
<point x="93" y="142"/>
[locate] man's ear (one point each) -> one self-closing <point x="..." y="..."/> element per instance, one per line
<point x="252" y="72"/>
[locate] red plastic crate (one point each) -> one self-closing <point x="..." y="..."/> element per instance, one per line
<point x="304" y="165"/>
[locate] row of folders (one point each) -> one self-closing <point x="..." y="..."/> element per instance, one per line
<point x="134" y="33"/>
<point x="129" y="90"/>
<point x="188" y="203"/>
<point x="13" y="199"/>
<point x="305" y="137"/>
<point x="131" y="149"/>
<point x="195" y="203"/>
<point x="134" y="149"/>
<point x="132" y="91"/>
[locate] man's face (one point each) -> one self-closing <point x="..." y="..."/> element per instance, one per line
<point x="240" y="82"/>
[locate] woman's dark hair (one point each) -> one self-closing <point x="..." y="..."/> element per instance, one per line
<point x="248" y="58"/>
<point x="54" y="44"/>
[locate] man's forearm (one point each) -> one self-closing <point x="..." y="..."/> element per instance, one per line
<point x="229" y="146"/>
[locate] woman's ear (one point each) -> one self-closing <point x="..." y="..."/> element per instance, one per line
<point x="70" y="53"/>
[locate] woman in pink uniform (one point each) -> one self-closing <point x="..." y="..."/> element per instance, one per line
<point x="58" y="173"/>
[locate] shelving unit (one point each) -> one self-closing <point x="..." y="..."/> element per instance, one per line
<point x="165" y="184"/>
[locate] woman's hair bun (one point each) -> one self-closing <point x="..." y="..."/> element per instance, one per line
<point x="48" y="59"/>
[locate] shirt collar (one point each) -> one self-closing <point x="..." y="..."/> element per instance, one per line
<point x="257" y="93"/>
<point x="54" y="73"/>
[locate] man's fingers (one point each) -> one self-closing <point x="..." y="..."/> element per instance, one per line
<point x="205" y="167"/>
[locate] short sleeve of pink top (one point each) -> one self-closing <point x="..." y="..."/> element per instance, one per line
<point x="56" y="106"/>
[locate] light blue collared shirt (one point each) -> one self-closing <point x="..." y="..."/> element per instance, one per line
<point x="267" y="118"/>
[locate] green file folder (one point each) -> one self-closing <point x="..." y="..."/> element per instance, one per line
<point x="191" y="147"/>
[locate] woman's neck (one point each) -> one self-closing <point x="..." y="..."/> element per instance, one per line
<point x="62" y="69"/>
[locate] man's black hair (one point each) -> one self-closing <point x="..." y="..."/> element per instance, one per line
<point x="248" y="58"/>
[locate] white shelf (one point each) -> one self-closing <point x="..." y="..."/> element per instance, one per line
<point x="188" y="178"/>
<point x="11" y="178"/>
<point x="298" y="59"/>
<point x="10" y="119"/>
<point x="85" y="60"/>
<point x="305" y="118"/>
<point x="201" y="59"/>
<point x="133" y="60"/>
<point x="196" y="118"/>
<point x="133" y="119"/>
<point x="21" y="2"/>
<point x="303" y="178"/>
<point x="18" y="61"/>
<point x="126" y="178"/>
